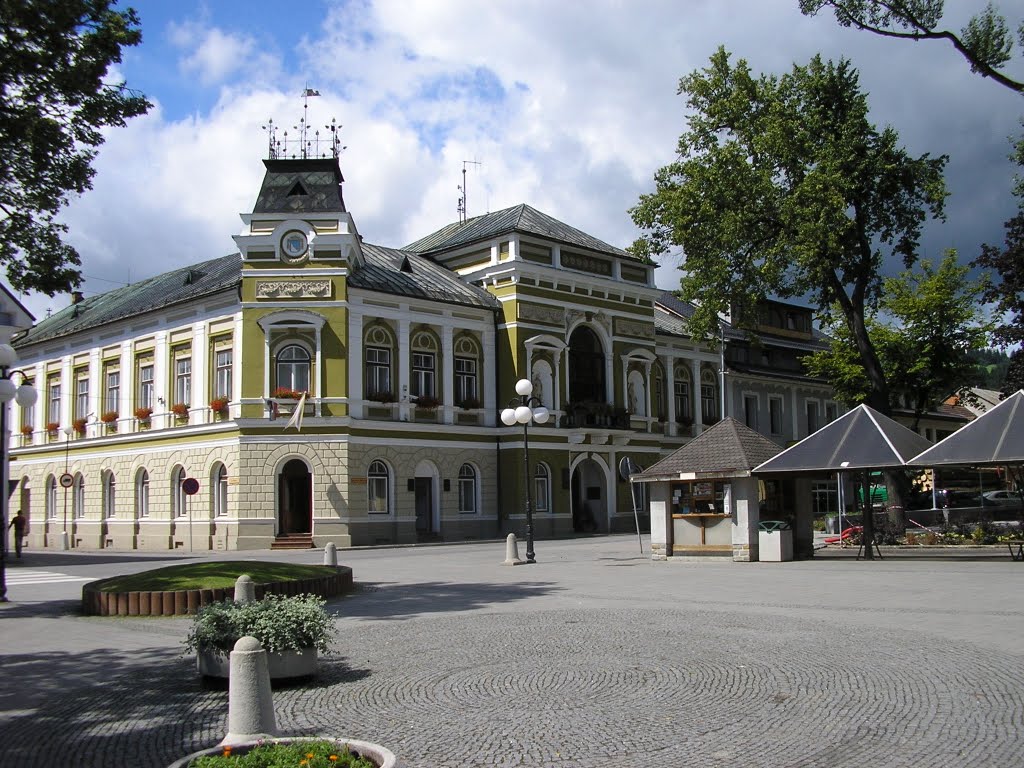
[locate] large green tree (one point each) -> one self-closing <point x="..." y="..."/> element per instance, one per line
<point x="55" y="101"/>
<point x="986" y="42"/>
<point x="782" y="186"/>
<point x="928" y="323"/>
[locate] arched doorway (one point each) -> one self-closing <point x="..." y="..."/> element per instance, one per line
<point x="294" y="499"/>
<point x="589" y="498"/>
<point x="586" y="367"/>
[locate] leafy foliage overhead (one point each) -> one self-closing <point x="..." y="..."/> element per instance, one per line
<point x="54" y="104"/>
<point x="782" y="186"/>
<point x="986" y="42"/>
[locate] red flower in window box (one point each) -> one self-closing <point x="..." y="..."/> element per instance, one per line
<point x="27" y="429"/>
<point x="180" y="410"/>
<point x="109" y="417"/>
<point x="219" y="404"/>
<point x="283" y="393"/>
<point x="52" y="427"/>
<point x="79" y="426"/>
<point x="427" y="401"/>
<point x="144" y="413"/>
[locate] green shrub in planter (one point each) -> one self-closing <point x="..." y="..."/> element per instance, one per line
<point x="311" y="754"/>
<point x="279" y="623"/>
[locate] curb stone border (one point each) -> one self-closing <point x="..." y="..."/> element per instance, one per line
<point x="183" y="602"/>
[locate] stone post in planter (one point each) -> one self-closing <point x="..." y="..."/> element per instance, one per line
<point x="331" y="555"/>
<point x="250" y="701"/>
<point x="245" y="589"/>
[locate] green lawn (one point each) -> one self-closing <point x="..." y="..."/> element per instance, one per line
<point x="212" y="575"/>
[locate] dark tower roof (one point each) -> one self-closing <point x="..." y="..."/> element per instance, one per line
<point x="299" y="186"/>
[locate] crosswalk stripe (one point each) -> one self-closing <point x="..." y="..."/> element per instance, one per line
<point x="30" y="576"/>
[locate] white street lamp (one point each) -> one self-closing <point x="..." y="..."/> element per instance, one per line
<point x="525" y="410"/>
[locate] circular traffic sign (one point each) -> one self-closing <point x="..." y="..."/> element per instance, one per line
<point x="190" y="486"/>
<point x="66" y="480"/>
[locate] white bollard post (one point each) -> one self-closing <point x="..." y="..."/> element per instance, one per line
<point x="331" y="555"/>
<point x="250" y="701"/>
<point x="245" y="589"/>
<point x="512" y="551"/>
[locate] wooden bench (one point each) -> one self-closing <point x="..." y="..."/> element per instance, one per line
<point x="1016" y="549"/>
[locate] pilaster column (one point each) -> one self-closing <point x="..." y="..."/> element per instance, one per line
<point x="200" y="381"/>
<point x="355" y="365"/>
<point x="125" y="401"/>
<point x="403" y="369"/>
<point x="446" y="370"/>
<point x="670" y="393"/>
<point x="696" y="395"/>
<point x="489" y="361"/>
<point x="556" y="397"/>
<point x="97" y="396"/>
<point x="67" y="391"/>
<point x="237" y="363"/>
<point x="319" y="385"/>
<point x="647" y="391"/>
<point x="161" y="396"/>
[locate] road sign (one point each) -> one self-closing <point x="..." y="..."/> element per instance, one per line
<point x="66" y="480"/>
<point x="190" y="486"/>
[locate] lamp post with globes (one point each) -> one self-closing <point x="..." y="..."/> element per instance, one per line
<point x="25" y="396"/>
<point x="523" y="410"/>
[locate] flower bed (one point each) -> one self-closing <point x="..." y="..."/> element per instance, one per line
<point x="309" y="753"/>
<point x="183" y="602"/>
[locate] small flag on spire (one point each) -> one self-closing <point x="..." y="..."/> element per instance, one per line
<point x="296" y="419"/>
<point x="311" y="92"/>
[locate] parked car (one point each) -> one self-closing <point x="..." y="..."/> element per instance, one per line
<point x="944" y="497"/>
<point x="1002" y="498"/>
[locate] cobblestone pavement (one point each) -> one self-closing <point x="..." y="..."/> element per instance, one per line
<point x="590" y="658"/>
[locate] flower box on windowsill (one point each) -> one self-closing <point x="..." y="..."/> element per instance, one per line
<point x="286" y="406"/>
<point x="377" y="410"/>
<point x="468" y="417"/>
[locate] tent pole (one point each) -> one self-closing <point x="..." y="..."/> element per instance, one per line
<point x="868" y="522"/>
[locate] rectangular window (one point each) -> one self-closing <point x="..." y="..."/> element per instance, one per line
<point x="465" y="379"/>
<point x="708" y="407"/>
<point x="831" y="412"/>
<point x="146" y="386"/>
<point x="28" y="415"/>
<point x="682" y="395"/>
<point x="222" y="374"/>
<point x="81" y="398"/>
<point x="541" y="491"/>
<point x="183" y="380"/>
<point x="113" y="392"/>
<point x="378" y="371"/>
<point x="775" y="414"/>
<point x="53" y="405"/>
<point x="467" y="495"/>
<point x="813" y="419"/>
<point x="423" y="374"/>
<point x="377" y="488"/>
<point x="750" y="411"/>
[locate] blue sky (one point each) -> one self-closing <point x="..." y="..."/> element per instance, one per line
<point x="570" y="107"/>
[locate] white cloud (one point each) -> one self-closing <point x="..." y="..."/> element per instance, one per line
<point x="570" y="107"/>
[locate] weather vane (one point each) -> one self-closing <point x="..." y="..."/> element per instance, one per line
<point x="304" y="147"/>
<point x="461" y="207"/>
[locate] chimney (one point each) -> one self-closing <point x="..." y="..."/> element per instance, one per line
<point x="77" y="297"/>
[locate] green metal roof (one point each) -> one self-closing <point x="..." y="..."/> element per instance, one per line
<point x="519" y="218"/>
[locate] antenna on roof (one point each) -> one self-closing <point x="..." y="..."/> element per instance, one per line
<point x="463" y="214"/>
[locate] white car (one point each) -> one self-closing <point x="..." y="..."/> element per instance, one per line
<point x="1002" y="498"/>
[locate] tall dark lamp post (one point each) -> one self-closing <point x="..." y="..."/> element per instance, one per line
<point x="523" y="410"/>
<point x="25" y="396"/>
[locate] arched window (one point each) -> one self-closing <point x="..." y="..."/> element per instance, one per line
<point x="292" y="368"/>
<point x="377" y="365"/>
<point x="78" y="497"/>
<point x="179" y="501"/>
<point x="378" y="488"/>
<point x="424" y="365"/>
<point x="109" y="493"/>
<point x="658" y="408"/>
<point x="219" y="484"/>
<point x="142" y="493"/>
<point x="51" y="497"/>
<point x="467" y="489"/>
<point x="467" y="358"/>
<point x="586" y="367"/>
<point x="542" y="487"/>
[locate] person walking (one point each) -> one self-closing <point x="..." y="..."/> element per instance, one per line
<point x="19" y="523"/>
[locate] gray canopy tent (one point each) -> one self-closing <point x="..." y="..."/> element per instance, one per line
<point x="862" y="439"/>
<point x="996" y="438"/>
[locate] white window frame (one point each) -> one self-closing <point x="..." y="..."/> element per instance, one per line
<point x="109" y="494"/>
<point x="776" y="410"/>
<point x="378" y="485"/>
<point x="142" y="493"/>
<point x="223" y="362"/>
<point x="51" y="497"/>
<point x="219" y="497"/>
<point x="183" y="380"/>
<point x="78" y="497"/>
<point x="293" y="367"/>
<point x="146" y="389"/>
<point x="113" y="391"/>
<point x="179" y="501"/>
<point x="542" y="487"/>
<point x="469" y="487"/>
<point x="748" y="398"/>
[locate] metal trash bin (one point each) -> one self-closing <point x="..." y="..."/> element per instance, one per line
<point x="774" y="541"/>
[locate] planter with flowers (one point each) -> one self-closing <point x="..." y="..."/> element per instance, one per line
<point x="426" y="407"/>
<point x="310" y="752"/>
<point x="291" y="629"/>
<point x="180" y="411"/>
<point x="79" y="426"/>
<point x="109" y="418"/>
<point x="26" y="433"/>
<point x="286" y="400"/>
<point x="52" y="429"/>
<point x="145" y="416"/>
<point x="380" y="404"/>
<point x="219" y="406"/>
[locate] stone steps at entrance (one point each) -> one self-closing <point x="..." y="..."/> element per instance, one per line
<point x="293" y="541"/>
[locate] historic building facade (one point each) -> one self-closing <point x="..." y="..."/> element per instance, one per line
<point x="314" y="387"/>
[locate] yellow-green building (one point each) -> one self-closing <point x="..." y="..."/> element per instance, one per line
<point x="319" y="388"/>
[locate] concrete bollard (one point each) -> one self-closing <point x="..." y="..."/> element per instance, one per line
<point x="512" y="551"/>
<point x="331" y="555"/>
<point x="245" y="589"/>
<point x="250" y="701"/>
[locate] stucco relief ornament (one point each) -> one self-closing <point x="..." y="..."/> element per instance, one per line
<point x="293" y="289"/>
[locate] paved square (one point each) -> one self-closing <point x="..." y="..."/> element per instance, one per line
<point x="595" y="656"/>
